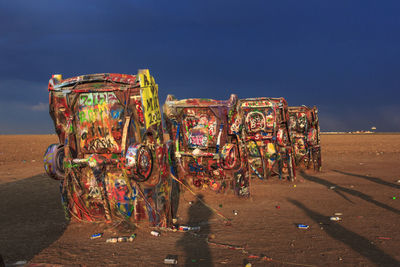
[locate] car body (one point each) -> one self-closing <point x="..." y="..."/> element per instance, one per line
<point x="263" y="126"/>
<point x="111" y="157"/>
<point x="305" y="136"/>
<point x="206" y="153"/>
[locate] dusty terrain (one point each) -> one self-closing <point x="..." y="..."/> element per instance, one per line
<point x="359" y="180"/>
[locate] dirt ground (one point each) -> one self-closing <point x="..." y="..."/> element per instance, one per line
<point x="359" y="179"/>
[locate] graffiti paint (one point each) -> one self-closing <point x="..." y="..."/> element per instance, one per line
<point x="115" y="161"/>
<point x="304" y="132"/>
<point x="206" y="146"/>
<point x="267" y="138"/>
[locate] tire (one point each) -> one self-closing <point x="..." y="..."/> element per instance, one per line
<point x="144" y="164"/>
<point x="53" y="160"/>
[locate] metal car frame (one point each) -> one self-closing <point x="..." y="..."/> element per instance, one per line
<point x="305" y="136"/>
<point x="111" y="157"/>
<point x="263" y="126"/>
<point x="207" y="154"/>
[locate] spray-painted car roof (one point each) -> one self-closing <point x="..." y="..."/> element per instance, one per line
<point x="200" y="118"/>
<point x="262" y="102"/>
<point x="199" y="102"/>
<point x="90" y="78"/>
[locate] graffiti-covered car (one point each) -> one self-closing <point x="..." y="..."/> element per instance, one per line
<point x="263" y="126"/>
<point x="305" y="136"/>
<point x="111" y="157"/>
<point x="206" y="153"/>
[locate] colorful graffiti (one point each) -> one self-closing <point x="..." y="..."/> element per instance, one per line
<point x="304" y="131"/>
<point x="207" y="149"/>
<point x="113" y="151"/>
<point x="267" y="139"/>
<point x="113" y="162"/>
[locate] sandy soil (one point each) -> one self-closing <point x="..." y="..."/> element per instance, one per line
<point x="359" y="180"/>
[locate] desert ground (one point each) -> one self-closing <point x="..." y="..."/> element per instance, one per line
<point x="360" y="179"/>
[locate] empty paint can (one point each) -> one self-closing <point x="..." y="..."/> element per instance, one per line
<point x="303" y="226"/>
<point x="112" y="240"/>
<point x="95" y="236"/>
<point x="189" y="228"/>
<point x="155" y="233"/>
<point x="170" y="261"/>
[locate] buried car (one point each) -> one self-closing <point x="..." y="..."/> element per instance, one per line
<point x="305" y="135"/>
<point x="206" y="153"/>
<point x="263" y="126"/>
<point x="111" y="157"/>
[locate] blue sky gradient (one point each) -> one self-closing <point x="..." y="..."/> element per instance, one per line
<point x="342" y="56"/>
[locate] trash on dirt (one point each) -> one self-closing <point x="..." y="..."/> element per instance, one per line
<point x="185" y="228"/>
<point x="338" y="214"/>
<point x="121" y="239"/>
<point x="303" y="226"/>
<point x="95" y="236"/>
<point x="127" y="238"/>
<point x="332" y="187"/>
<point x="384" y="238"/>
<point x="155" y="233"/>
<point x="19" y="263"/>
<point x="190" y="202"/>
<point x="334" y="218"/>
<point x="235" y="212"/>
<point x="222" y="245"/>
<point x="278" y="207"/>
<point x="394" y="198"/>
<point x="171" y="260"/>
<point x="220" y="205"/>
<point x="398" y="181"/>
<point x="112" y="240"/>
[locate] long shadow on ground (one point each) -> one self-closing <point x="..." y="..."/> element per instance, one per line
<point x="31" y="215"/>
<point x="196" y="249"/>
<point x="372" y="179"/>
<point x="358" y="243"/>
<point x="339" y="189"/>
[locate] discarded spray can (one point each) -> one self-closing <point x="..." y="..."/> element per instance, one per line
<point x="112" y="240"/>
<point x="95" y="236"/>
<point x="155" y="233"/>
<point x="303" y="226"/>
<point x="338" y="214"/>
<point x="126" y="238"/>
<point x="189" y="228"/>
<point x="170" y="261"/>
<point x="335" y="218"/>
<point x="121" y="239"/>
<point x="235" y="212"/>
<point x="133" y="236"/>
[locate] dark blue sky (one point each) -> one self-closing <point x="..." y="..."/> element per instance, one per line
<point x="342" y="56"/>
